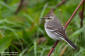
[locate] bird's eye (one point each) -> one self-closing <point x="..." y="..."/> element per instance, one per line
<point x="49" y="18"/>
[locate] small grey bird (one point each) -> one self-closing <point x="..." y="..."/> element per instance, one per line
<point x="55" y="30"/>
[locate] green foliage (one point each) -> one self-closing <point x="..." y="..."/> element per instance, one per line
<point x="5" y="43"/>
<point x="22" y="32"/>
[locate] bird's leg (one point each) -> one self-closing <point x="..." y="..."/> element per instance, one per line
<point x="52" y="49"/>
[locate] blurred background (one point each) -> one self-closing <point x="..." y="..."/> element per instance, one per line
<point x="22" y="29"/>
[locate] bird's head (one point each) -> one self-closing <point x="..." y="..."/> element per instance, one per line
<point x="48" y="18"/>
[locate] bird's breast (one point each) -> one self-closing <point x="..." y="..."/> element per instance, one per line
<point x="52" y="35"/>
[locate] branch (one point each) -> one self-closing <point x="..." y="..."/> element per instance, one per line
<point x="58" y="5"/>
<point x="81" y="14"/>
<point x="67" y="23"/>
<point x="5" y="1"/>
<point x="61" y="3"/>
<point x="52" y="49"/>
<point x="63" y="51"/>
<point x="19" y="7"/>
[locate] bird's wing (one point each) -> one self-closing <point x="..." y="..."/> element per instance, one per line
<point x="59" y="31"/>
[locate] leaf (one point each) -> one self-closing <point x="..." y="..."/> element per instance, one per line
<point x="4" y="43"/>
<point x="77" y="32"/>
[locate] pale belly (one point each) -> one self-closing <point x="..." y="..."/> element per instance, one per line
<point x="52" y="35"/>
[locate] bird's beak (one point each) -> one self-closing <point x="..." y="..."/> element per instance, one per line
<point x="42" y="18"/>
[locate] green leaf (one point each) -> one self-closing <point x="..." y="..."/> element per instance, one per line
<point x="4" y="43"/>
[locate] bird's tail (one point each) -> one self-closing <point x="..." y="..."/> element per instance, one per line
<point x="70" y="43"/>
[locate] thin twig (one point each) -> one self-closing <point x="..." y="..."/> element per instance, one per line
<point x="63" y="51"/>
<point x="61" y="3"/>
<point x="19" y="7"/>
<point x="5" y="1"/>
<point x="52" y="49"/>
<point x="58" y="5"/>
<point x="81" y="14"/>
<point x="67" y="23"/>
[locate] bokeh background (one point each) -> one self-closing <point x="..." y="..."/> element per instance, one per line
<point x="23" y="32"/>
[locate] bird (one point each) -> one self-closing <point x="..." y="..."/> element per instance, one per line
<point x="55" y="30"/>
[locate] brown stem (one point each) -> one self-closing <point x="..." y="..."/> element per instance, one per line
<point x="67" y="23"/>
<point x="58" y="5"/>
<point x="61" y="3"/>
<point x="52" y="49"/>
<point x="63" y="51"/>
<point x="19" y="7"/>
<point x="81" y="14"/>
